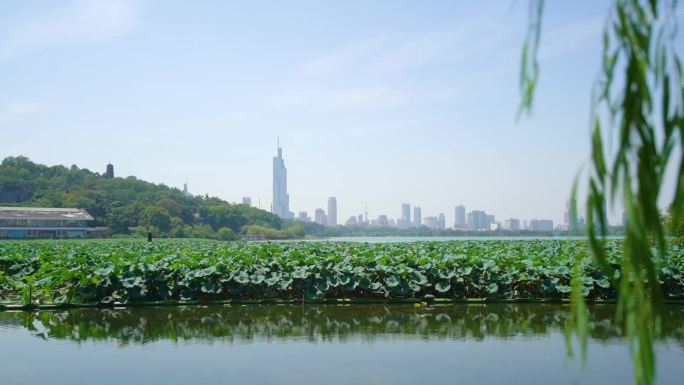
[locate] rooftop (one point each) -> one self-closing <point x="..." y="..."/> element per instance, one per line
<point x="44" y="213"/>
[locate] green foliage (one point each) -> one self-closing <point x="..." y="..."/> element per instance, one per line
<point x="638" y="104"/>
<point x="120" y="203"/>
<point x="225" y="234"/>
<point x="156" y="217"/>
<point x="132" y="270"/>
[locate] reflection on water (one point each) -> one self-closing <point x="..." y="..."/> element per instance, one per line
<point x="333" y="345"/>
<point x="245" y="323"/>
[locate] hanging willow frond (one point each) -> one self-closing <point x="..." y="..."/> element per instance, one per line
<point x="638" y="102"/>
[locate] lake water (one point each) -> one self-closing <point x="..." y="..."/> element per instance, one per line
<point x="316" y="344"/>
<point x="443" y="239"/>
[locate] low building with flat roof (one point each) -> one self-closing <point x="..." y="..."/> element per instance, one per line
<point x="43" y="222"/>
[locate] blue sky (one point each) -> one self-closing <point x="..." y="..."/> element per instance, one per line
<point x="377" y="102"/>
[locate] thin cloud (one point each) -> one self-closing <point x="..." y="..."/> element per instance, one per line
<point x="341" y="100"/>
<point x="344" y="57"/>
<point x="85" y="21"/>
<point x="382" y="56"/>
<point x="19" y="110"/>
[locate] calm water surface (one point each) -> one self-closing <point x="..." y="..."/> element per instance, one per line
<point x="357" y="344"/>
<point x="442" y="239"/>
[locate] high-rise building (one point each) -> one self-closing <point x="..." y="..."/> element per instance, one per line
<point x="541" y="225"/>
<point x="281" y="200"/>
<point x="332" y="211"/>
<point x="405" y="215"/>
<point x="417" y="216"/>
<point x="511" y="224"/>
<point x="110" y="171"/>
<point x="303" y="216"/>
<point x="479" y="220"/>
<point x="247" y="201"/>
<point x="382" y="221"/>
<point x="566" y="214"/>
<point x="460" y="215"/>
<point x="360" y="219"/>
<point x="441" y="222"/>
<point x="321" y="218"/>
<point x="431" y="222"/>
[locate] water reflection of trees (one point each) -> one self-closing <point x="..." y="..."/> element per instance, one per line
<point x="319" y="323"/>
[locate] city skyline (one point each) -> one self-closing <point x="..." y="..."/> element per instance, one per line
<point x="463" y="219"/>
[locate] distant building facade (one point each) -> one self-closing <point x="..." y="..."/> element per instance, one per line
<point x="332" y="211"/>
<point x="281" y="199"/>
<point x="303" y="216"/>
<point x="405" y="215"/>
<point x="321" y="218"/>
<point x="460" y="217"/>
<point x="512" y="224"/>
<point x="441" y="222"/>
<point x="479" y="220"/>
<point x="247" y="201"/>
<point x="417" y="216"/>
<point x="40" y="222"/>
<point x="383" y="221"/>
<point x="541" y="225"/>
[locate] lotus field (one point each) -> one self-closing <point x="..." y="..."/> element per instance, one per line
<point x="126" y="271"/>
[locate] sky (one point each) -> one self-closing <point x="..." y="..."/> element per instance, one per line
<point x="375" y="102"/>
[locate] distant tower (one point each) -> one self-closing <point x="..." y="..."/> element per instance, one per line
<point x="185" y="189"/>
<point x="332" y="211"/>
<point x="405" y="215"/>
<point x="247" y="201"/>
<point x="110" y="171"/>
<point x="281" y="200"/>
<point x="460" y="215"/>
<point x="417" y="216"/>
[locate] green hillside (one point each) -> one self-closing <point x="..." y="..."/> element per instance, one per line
<point x="121" y="203"/>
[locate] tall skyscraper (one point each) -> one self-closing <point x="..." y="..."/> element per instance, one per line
<point x="417" y="216"/>
<point x="460" y="215"/>
<point x="405" y="215"/>
<point x="332" y="211"/>
<point x="281" y="200"/>
<point x="441" y="222"/>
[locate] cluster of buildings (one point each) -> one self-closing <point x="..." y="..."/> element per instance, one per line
<point x="475" y="220"/>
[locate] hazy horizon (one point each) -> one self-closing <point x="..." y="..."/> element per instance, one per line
<point x="376" y="103"/>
